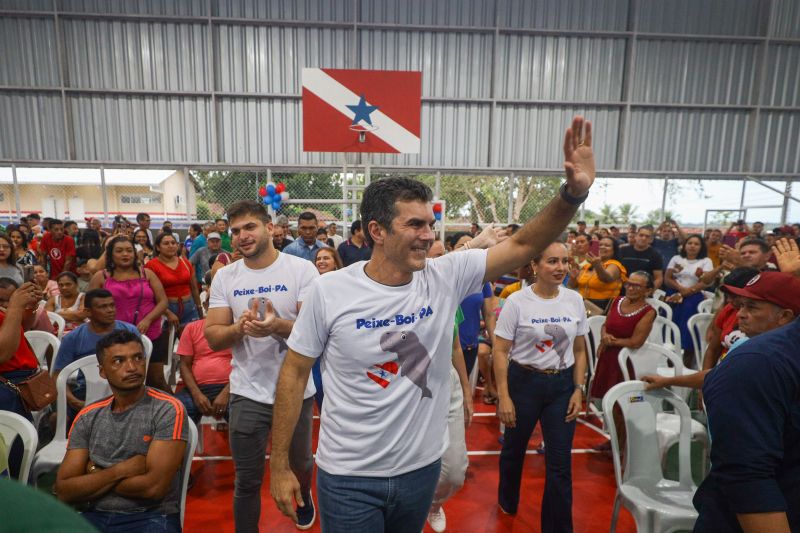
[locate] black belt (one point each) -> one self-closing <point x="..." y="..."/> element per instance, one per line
<point x="546" y="371"/>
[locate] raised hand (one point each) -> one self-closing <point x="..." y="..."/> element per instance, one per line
<point x="490" y="236"/>
<point x="788" y="255"/>
<point x="578" y="157"/>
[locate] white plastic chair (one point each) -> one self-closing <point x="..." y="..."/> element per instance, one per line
<point x="48" y="458"/>
<point x="170" y="367"/>
<point x="186" y="467"/>
<point x="59" y="322"/>
<point x="595" y="324"/>
<point x="705" y="306"/>
<point x="667" y="333"/>
<point x="709" y="295"/>
<point x="658" y="294"/>
<point x="657" y="504"/>
<point x="663" y="309"/>
<point x="698" y="326"/>
<point x="39" y="342"/>
<point x="647" y="360"/>
<point x="12" y="426"/>
<point x="148" y="346"/>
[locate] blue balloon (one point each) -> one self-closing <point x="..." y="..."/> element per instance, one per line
<point x="271" y="189"/>
<point x="266" y="200"/>
<point x="276" y="204"/>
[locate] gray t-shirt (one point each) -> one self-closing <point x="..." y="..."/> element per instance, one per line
<point x="113" y="437"/>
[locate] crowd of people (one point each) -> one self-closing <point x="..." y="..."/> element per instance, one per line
<point x="381" y="332"/>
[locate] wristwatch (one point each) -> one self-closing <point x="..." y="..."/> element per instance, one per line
<point x="567" y="197"/>
<point x="582" y="388"/>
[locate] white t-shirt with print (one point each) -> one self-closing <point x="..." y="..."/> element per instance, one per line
<point x="542" y="331"/>
<point x="257" y="361"/>
<point x="686" y="275"/>
<point x="386" y="355"/>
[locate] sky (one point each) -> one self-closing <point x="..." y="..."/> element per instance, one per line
<point x="691" y="199"/>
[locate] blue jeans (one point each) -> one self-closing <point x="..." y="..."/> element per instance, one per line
<point x="134" y="522"/>
<point x="540" y="397"/>
<point x="189" y="314"/>
<point x="211" y="392"/>
<point x="397" y="504"/>
<point x="9" y="401"/>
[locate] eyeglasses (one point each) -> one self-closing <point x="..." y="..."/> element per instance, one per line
<point x="4" y="247"/>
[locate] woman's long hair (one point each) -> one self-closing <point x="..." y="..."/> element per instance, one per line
<point x="110" y="265"/>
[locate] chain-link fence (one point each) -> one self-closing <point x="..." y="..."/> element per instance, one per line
<point x="183" y="196"/>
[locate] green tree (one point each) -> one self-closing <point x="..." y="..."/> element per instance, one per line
<point x="627" y="214"/>
<point x="656" y="217"/>
<point x="608" y="215"/>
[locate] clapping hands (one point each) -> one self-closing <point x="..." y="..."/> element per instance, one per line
<point x="254" y="323"/>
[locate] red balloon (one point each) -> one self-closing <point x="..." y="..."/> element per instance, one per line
<point x="280" y="187"/>
<point x="437" y="208"/>
<point x="262" y="191"/>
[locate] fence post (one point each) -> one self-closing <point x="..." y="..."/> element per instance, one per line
<point x="664" y="198"/>
<point x="16" y="191"/>
<point x="785" y="208"/>
<point x="104" y="194"/>
<point x="512" y="182"/>
<point x="187" y="180"/>
<point x="270" y="210"/>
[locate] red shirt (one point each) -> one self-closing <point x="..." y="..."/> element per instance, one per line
<point x="174" y="280"/>
<point x="23" y="358"/>
<point x="57" y="252"/>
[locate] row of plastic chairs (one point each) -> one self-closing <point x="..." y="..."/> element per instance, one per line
<point x="13" y="426"/>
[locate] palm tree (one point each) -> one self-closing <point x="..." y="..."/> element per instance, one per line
<point x="608" y="214"/>
<point x="627" y="213"/>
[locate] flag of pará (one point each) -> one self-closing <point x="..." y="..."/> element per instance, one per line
<point x="339" y="106"/>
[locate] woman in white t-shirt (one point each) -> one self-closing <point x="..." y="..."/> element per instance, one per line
<point x="540" y="366"/>
<point x="683" y="277"/>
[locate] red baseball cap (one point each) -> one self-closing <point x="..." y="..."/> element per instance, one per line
<point x="779" y="288"/>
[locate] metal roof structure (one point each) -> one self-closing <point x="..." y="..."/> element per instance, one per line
<point x="678" y="88"/>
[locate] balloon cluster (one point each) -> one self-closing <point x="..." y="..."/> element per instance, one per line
<point x="273" y="195"/>
<point x="437" y="211"/>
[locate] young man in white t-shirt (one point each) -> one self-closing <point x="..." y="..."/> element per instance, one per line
<point x="252" y="309"/>
<point x="379" y="327"/>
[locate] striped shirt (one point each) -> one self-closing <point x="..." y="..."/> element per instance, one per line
<point x="114" y="437"/>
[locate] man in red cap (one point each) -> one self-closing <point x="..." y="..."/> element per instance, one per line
<point x="768" y="301"/>
<point x="753" y="403"/>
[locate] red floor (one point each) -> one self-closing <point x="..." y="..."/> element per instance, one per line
<point x="473" y="509"/>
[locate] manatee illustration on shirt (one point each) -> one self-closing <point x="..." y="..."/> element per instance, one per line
<point x="560" y="342"/>
<point x="412" y="356"/>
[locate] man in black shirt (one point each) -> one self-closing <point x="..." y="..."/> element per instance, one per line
<point x="355" y="249"/>
<point x="640" y="256"/>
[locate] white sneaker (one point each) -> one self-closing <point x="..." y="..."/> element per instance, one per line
<point x="437" y="520"/>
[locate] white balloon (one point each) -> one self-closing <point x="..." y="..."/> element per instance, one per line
<point x="284" y="196"/>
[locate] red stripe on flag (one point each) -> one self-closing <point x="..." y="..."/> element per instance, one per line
<point x="336" y="135"/>
<point x="397" y="94"/>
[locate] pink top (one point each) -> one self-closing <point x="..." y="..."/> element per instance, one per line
<point x="208" y="366"/>
<point x="127" y="296"/>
